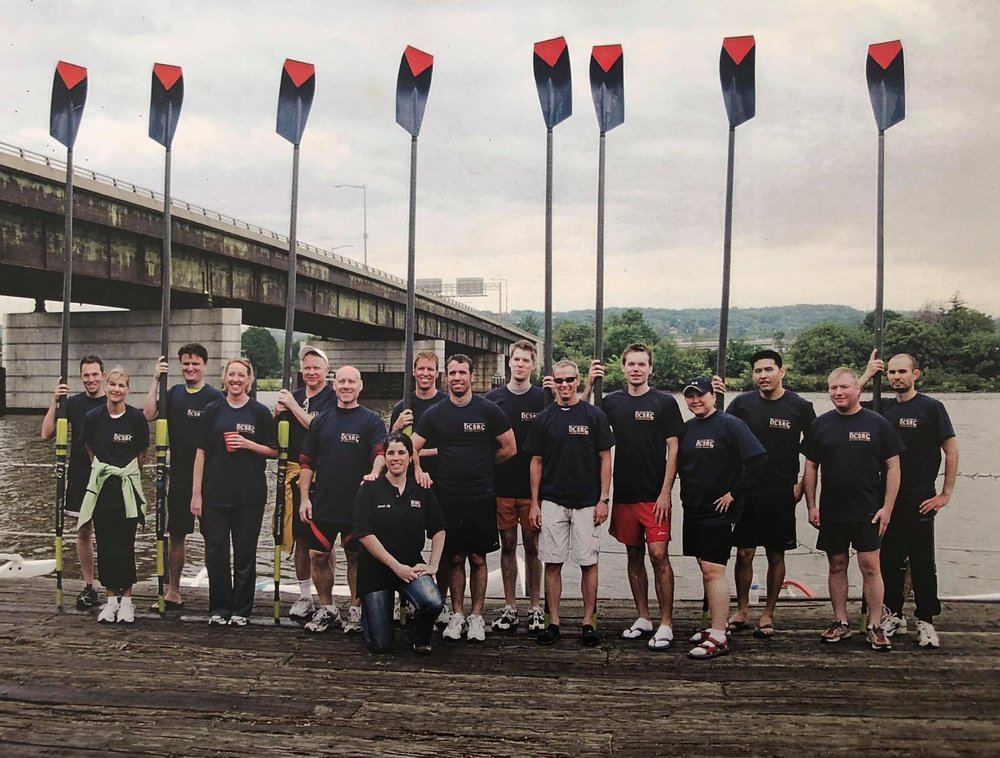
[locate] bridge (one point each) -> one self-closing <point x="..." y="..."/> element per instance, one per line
<point x="218" y="262"/>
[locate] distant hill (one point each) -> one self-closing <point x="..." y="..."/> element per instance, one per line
<point x="703" y="323"/>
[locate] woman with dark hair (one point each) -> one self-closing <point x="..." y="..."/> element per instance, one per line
<point x="392" y="515"/>
<point x="229" y="491"/>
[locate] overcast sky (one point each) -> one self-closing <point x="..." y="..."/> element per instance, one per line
<point x="804" y="214"/>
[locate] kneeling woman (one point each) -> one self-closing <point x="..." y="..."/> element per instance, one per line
<point x="391" y="516"/>
<point x="116" y="436"/>
<point x="229" y="491"/>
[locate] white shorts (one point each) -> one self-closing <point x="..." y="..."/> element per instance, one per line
<point x="568" y="533"/>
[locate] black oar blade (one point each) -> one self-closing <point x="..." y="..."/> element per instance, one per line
<point x="412" y="87"/>
<point x="553" y="80"/>
<point x="165" y="100"/>
<point x="736" y="70"/>
<point x="607" y="85"/>
<point x="69" y="95"/>
<point x="885" y="83"/>
<point x="295" y="98"/>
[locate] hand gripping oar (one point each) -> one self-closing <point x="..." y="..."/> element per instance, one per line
<point x="69" y="95"/>
<point x="413" y="84"/>
<point x="295" y="96"/>
<point x="165" y="100"/>
<point x="607" y="85"/>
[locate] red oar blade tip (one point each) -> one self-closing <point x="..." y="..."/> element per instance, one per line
<point x="298" y="71"/>
<point x="418" y="60"/>
<point x="413" y="85"/>
<point x="553" y="80"/>
<point x="886" y="83"/>
<point x="607" y="85"/>
<point x="884" y="53"/>
<point x="69" y="95"/>
<point x="551" y="50"/>
<point x="295" y="98"/>
<point x="736" y="72"/>
<point x="70" y="74"/>
<point x="738" y="47"/>
<point x="166" y="74"/>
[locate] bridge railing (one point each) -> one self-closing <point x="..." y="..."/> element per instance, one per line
<point x="120" y="184"/>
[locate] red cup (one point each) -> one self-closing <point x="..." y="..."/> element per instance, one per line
<point x="230" y="438"/>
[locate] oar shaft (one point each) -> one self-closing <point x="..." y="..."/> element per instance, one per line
<point x="411" y="274"/>
<point x="879" y="266"/>
<point x="161" y="435"/>
<point x="547" y="364"/>
<point x="599" y="299"/>
<point x="727" y="247"/>
<point x="62" y="425"/>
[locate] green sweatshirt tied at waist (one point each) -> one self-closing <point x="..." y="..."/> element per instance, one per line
<point x="135" y="501"/>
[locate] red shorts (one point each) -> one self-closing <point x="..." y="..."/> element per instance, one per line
<point x="512" y="511"/>
<point x="634" y="523"/>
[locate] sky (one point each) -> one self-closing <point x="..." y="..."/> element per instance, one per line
<point x="805" y="171"/>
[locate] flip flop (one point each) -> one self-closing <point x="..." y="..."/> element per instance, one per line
<point x="732" y="627"/>
<point x="169" y="605"/>
<point x="764" y="631"/>
<point x="660" y="641"/>
<point x="640" y="628"/>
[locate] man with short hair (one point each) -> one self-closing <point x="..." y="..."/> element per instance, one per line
<point x="719" y="462"/>
<point x="570" y="443"/>
<point x="858" y="452"/>
<point x="779" y="419"/>
<point x="647" y="425"/>
<point x="185" y="402"/>
<point x="78" y="471"/>
<point x="925" y="428"/>
<point x="299" y="408"/>
<point x="344" y="446"/>
<point x="471" y="436"/>
<point x="520" y="402"/>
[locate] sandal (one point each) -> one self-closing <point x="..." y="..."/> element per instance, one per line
<point x="640" y="628"/>
<point x="733" y="626"/>
<point x="662" y="640"/>
<point x="709" y="648"/>
<point x="764" y="631"/>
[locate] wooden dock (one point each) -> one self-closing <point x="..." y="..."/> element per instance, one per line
<point x="71" y="686"/>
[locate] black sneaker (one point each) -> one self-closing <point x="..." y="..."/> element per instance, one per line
<point x="87" y="600"/>
<point x="548" y="635"/>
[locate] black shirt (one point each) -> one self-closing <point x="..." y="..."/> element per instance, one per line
<point x="513" y="478"/>
<point x="922" y="424"/>
<point x="851" y="452"/>
<point x="77" y="408"/>
<point x="400" y="521"/>
<point x="323" y="400"/>
<point x="780" y="426"/>
<point x="237" y="478"/>
<point x="116" y="441"/>
<point x="418" y="406"/>
<point x="184" y="411"/>
<point x="642" y="425"/>
<point x="569" y="440"/>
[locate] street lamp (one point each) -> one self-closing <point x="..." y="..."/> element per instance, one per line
<point x="364" y="195"/>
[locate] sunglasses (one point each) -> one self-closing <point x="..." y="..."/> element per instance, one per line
<point x="565" y="379"/>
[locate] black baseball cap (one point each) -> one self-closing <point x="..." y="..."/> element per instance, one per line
<point x="700" y="384"/>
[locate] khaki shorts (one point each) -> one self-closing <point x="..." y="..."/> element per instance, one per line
<point x="512" y="511"/>
<point x="568" y="533"/>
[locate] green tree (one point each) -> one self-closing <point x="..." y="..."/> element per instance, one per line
<point x="625" y="328"/>
<point x="574" y="342"/>
<point x="529" y="323"/>
<point x="262" y="349"/>
<point x="822" y="348"/>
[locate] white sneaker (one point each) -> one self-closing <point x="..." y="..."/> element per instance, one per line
<point x="893" y="624"/>
<point x="454" y="629"/>
<point x="126" y="611"/>
<point x="109" y="611"/>
<point x="353" y="623"/>
<point x="536" y="620"/>
<point x="302" y="610"/>
<point x="443" y="618"/>
<point x="926" y="636"/>
<point x="477" y="629"/>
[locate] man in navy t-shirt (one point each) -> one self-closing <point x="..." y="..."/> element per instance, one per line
<point x="858" y="452"/>
<point x="425" y="394"/>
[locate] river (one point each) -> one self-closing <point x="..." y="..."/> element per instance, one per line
<point x="967" y="552"/>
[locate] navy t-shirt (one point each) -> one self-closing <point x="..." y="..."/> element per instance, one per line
<point x="642" y="425"/>
<point x="922" y="424"/>
<point x="569" y="440"/>
<point x="418" y="406"/>
<point x="339" y="447"/>
<point x="400" y="521"/>
<point x="513" y="478"/>
<point x="324" y="399"/>
<point x="117" y="441"/>
<point x="184" y="411"/>
<point x="851" y="452"/>
<point x="780" y="426"/>
<point x="77" y="408"/>
<point x="711" y="461"/>
<point x="237" y="478"/>
<point x="466" y="440"/>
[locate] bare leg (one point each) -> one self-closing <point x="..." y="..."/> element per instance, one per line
<point x="744" y="578"/>
<point x="871" y="577"/>
<point x="663" y="581"/>
<point x="532" y="567"/>
<point x="322" y="574"/>
<point x="553" y="590"/>
<point x="775" y="578"/>
<point x="638" y="581"/>
<point x="85" y="551"/>
<point x="456" y="583"/>
<point x="352" y="577"/>
<point x="838" y="584"/>
<point x="508" y="565"/>
<point x="588" y="588"/>
<point x="478" y="575"/>
<point x="303" y="566"/>
<point x="175" y="567"/>
<point x="717" y="590"/>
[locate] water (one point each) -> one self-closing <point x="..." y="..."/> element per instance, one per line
<point x="967" y="552"/>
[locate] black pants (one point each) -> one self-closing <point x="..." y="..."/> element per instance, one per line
<point x="231" y="585"/>
<point x="910" y="535"/>
<point x="115" y="543"/>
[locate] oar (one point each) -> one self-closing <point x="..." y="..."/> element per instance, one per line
<point x="413" y="84"/>
<point x="555" y="93"/>
<point x="607" y="85"/>
<point x="884" y="71"/>
<point x="69" y="95"/>
<point x="736" y="71"/>
<point x="295" y="96"/>
<point x="166" y="97"/>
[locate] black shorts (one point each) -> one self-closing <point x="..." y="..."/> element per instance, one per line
<point x="76" y="488"/>
<point x="837" y="537"/>
<point x="710" y="541"/>
<point x="768" y="521"/>
<point x="321" y="536"/>
<point x="180" y="520"/>
<point x="472" y="527"/>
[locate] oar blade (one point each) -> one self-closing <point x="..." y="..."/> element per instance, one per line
<point x="736" y="71"/>
<point x="413" y="84"/>
<point x="885" y="83"/>
<point x="295" y="98"/>
<point x="553" y="80"/>
<point x="69" y="95"/>
<point x="607" y="85"/>
<point x="165" y="100"/>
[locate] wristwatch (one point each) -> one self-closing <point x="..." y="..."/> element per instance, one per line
<point x="606" y="500"/>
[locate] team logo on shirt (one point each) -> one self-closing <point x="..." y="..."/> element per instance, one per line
<point x="859" y="436"/>
<point x="780" y="423"/>
<point x="908" y="423"/>
<point x="528" y="415"/>
<point x="475" y="426"/>
<point x="246" y="428"/>
<point x="708" y="444"/>
<point x="416" y="504"/>
<point x="123" y="438"/>
<point x="581" y="429"/>
<point x="194" y="413"/>
<point x="350" y="437"/>
<point x="645" y="416"/>
<point x="383" y="505"/>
